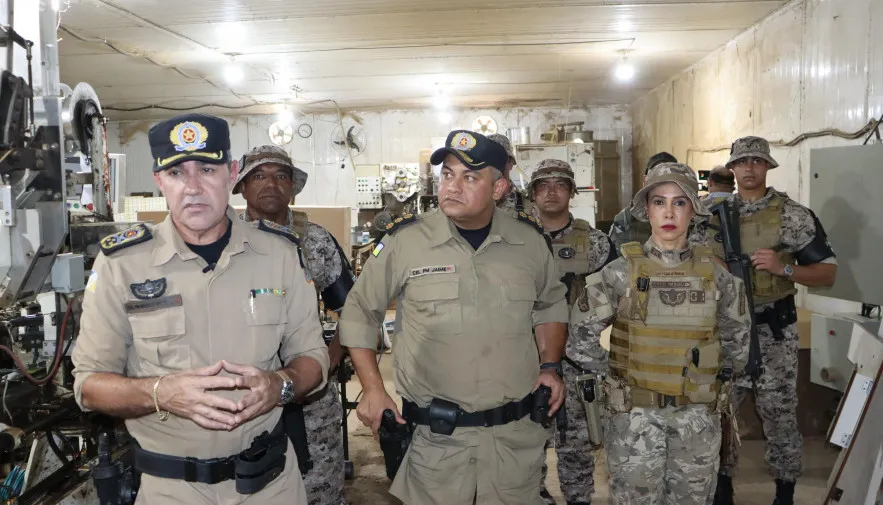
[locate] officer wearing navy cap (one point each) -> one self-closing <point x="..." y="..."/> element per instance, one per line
<point x="197" y="330"/>
<point x="483" y="327"/>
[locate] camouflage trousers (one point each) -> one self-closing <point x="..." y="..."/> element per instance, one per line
<point x="663" y="456"/>
<point x="576" y="456"/>
<point x="776" y="401"/>
<point x="323" y="415"/>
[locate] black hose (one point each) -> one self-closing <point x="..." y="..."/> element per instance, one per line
<point x="55" y="449"/>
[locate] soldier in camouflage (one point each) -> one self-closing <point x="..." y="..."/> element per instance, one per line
<point x="268" y="182"/>
<point x="625" y="227"/>
<point x="578" y="250"/>
<point x="788" y="246"/>
<point x="513" y="201"/>
<point x="680" y="328"/>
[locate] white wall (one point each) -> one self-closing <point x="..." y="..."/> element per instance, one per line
<point x="812" y="65"/>
<point x="392" y="137"/>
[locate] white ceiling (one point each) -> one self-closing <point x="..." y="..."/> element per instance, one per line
<point x="384" y="54"/>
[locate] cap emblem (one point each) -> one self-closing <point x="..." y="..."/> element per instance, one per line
<point x="463" y="142"/>
<point x="189" y="136"/>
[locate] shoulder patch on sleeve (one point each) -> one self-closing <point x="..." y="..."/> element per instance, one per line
<point x="524" y="218"/>
<point x="400" y="222"/>
<point x="119" y="241"/>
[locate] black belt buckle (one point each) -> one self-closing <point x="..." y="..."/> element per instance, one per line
<point x="666" y="401"/>
<point x="443" y="416"/>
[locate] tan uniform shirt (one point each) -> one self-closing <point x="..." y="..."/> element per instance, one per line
<point x="466" y="328"/>
<point x="215" y="319"/>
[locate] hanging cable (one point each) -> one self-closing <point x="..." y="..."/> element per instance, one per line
<point x="59" y="351"/>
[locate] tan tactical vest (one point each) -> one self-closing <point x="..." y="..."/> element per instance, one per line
<point x="656" y="330"/>
<point x="761" y="230"/>
<point x="571" y="252"/>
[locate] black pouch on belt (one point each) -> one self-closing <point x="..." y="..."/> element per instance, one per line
<point x="258" y="465"/>
<point x="443" y="416"/>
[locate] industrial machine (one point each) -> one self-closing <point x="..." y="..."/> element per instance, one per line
<point x="391" y="190"/>
<point x="51" y="149"/>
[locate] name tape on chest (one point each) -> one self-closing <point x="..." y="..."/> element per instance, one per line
<point x="421" y="271"/>
<point x="139" y="306"/>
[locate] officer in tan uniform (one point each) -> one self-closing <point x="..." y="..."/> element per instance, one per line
<point x="196" y="330"/>
<point x="579" y="250"/>
<point x="680" y="332"/>
<point x="475" y="284"/>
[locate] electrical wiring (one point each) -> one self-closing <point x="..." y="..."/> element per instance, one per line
<point x="58" y="354"/>
<point x="869" y="128"/>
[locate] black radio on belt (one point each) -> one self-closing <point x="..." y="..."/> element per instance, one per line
<point x="443" y="416"/>
<point x="540" y="411"/>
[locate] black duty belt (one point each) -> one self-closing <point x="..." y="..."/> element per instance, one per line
<point x="443" y="416"/>
<point x="252" y="468"/>
<point x="782" y="314"/>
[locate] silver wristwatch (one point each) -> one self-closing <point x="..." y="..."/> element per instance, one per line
<point x="789" y="271"/>
<point x="287" y="395"/>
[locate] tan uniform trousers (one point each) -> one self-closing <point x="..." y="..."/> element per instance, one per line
<point x="286" y="489"/>
<point x="500" y="465"/>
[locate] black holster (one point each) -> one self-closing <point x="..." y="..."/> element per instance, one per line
<point x="782" y="314"/>
<point x="394" y="441"/>
<point x="252" y="468"/>
<point x="296" y="429"/>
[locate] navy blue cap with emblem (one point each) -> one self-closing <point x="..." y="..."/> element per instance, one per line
<point x="189" y="137"/>
<point x="473" y="149"/>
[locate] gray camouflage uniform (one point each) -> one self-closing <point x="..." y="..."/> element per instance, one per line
<point x="651" y="446"/>
<point x="581" y="250"/>
<point x="658" y="454"/>
<point x="322" y="411"/>
<point x="776" y="396"/>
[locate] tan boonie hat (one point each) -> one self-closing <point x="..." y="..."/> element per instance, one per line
<point x="550" y="169"/>
<point x="751" y="147"/>
<point x="503" y="141"/>
<point x="678" y="173"/>
<point x="269" y="154"/>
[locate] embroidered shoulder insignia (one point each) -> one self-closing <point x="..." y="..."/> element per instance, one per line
<point x="524" y="218"/>
<point x="291" y="237"/>
<point x="118" y="241"/>
<point x="400" y="222"/>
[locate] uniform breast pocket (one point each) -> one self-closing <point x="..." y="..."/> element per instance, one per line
<point x="160" y="341"/>
<point x="265" y="316"/>
<point x="435" y="307"/>
<point x="518" y="302"/>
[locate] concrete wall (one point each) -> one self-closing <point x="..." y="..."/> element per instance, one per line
<point x="392" y="137"/>
<point x="812" y="65"/>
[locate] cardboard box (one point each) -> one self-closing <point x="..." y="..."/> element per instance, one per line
<point x="334" y="219"/>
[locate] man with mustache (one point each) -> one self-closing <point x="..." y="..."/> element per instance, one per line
<point x="483" y="327"/>
<point x="579" y="250"/>
<point x="196" y="331"/>
<point x="788" y="246"/>
<point x="269" y="181"/>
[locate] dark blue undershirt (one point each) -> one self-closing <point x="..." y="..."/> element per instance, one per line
<point x="211" y="253"/>
<point x="475" y="237"/>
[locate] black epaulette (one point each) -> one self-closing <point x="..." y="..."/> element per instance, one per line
<point x="400" y="222"/>
<point x="291" y="237"/>
<point x="119" y="241"/>
<point x="524" y="218"/>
